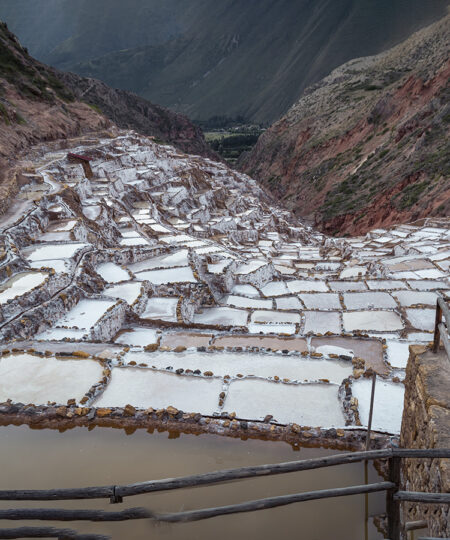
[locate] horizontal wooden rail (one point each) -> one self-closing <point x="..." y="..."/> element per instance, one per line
<point x="420" y="497"/>
<point x="49" y="532"/>
<point x="272" y="502"/>
<point x="194" y="515"/>
<point x="59" y="514"/>
<point x="216" y="477"/>
<point x="65" y="494"/>
<point x="248" y="472"/>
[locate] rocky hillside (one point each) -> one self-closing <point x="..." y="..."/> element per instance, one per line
<point x="39" y="103"/>
<point x="34" y="104"/>
<point x="202" y="58"/>
<point x="129" y="111"/>
<point x="368" y="145"/>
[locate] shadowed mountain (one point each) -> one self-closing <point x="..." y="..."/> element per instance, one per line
<point x="251" y="58"/>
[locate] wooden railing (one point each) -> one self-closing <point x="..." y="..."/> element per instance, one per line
<point x="116" y="494"/>
<point x="441" y="329"/>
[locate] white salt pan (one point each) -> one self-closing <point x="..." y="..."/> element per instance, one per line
<point x="54" y="251"/>
<point x="161" y="308"/>
<point x="21" y="284"/>
<point x="112" y="273"/>
<point x="306" y="405"/>
<point x="30" y="379"/>
<point x="126" y="291"/>
<point x="260" y="365"/>
<point x="168" y="275"/>
<point x="388" y="404"/>
<point x="145" y="388"/>
<point x="222" y="316"/>
<point x="381" y="321"/>
<point x="138" y="337"/>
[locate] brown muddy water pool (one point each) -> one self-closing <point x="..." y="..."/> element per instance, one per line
<point x="40" y="459"/>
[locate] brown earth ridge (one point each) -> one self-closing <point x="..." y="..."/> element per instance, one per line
<point x="368" y="146"/>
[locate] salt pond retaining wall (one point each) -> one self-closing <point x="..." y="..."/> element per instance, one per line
<point x="426" y="424"/>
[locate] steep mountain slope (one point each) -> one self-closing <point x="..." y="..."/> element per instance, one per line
<point x="368" y="145"/>
<point x="129" y="111"/>
<point x="41" y="103"/>
<point x="204" y="58"/>
<point x="34" y="105"/>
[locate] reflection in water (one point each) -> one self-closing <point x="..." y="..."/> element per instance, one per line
<point x="39" y="459"/>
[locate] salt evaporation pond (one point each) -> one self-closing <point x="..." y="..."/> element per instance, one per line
<point x="178" y="258"/>
<point x="59" y="265"/>
<point x="262" y="328"/>
<point x="55" y="251"/>
<point x="182" y="274"/>
<point x="21" y="284"/>
<point x="275" y="317"/>
<point x="140" y="456"/>
<point x="112" y="273"/>
<point x="223" y="316"/>
<point x="125" y="291"/>
<point x="138" y="337"/>
<point x="161" y="308"/>
<point x="26" y="378"/>
<point x="243" y="302"/>
<point x="85" y="314"/>
<point x="75" y="323"/>
<point x="388" y="404"/>
<point x="296" y="368"/>
<point x="145" y="388"/>
<point x="304" y="404"/>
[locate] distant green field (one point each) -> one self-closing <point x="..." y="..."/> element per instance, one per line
<point x="232" y="143"/>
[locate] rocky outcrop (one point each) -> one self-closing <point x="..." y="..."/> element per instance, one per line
<point x="368" y="145"/>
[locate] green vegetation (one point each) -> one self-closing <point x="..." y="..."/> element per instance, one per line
<point x="4" y="114"/>
<point x="232" y="142"/>
<point x="95" y="108"/>
<point x="412" y="193"/>
<point x="20" y="119"/>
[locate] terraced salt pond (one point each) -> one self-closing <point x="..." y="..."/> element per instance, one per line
<point x="77" y="322"/>
<point x="295" y="368"/>
<point x="388" y="404"/>
<point x="182" y="274"/>
<point x="21" y="284"/>
<point x="187" y="254"/>
<point x="125" y="291"/>
<point x="26" y="378"/>
<point x="56" y="251"/>
<point x="112" y="273"/>
<point x="307" y="404"/>
<point x="145" y="388"/>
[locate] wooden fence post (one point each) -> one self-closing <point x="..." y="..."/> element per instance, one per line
<point x="438" y="320"/>
<point x="393" y="506"/>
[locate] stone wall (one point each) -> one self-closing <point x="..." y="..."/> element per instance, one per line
<point x="426" y="424"/>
